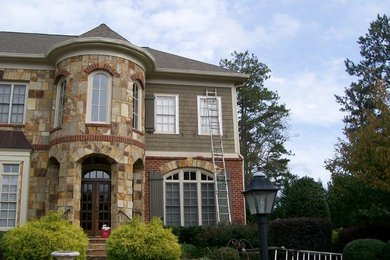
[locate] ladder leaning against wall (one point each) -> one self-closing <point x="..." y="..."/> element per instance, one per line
<point x="222" y="198"/>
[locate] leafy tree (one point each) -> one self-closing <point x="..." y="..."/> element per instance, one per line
<point x="303" y="197"/>
<point x="365" y="151"/>
<point x="353" y="202"/>
<point x="262" y="120"/>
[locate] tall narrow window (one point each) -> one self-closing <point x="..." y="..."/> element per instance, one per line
<point x="12" y="102"/>
<point x="166" y="114"/>
<point x="137" y="97"/>
<point x="99" y="97"/>
<point x="209" y="115"/>
<point x="9" y="194"/>
<point x="60" y="102"/>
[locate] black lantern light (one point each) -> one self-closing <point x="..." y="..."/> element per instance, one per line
<point x="260" y="199"/>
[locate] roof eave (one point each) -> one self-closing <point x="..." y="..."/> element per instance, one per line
<point x="108" y="43"/>
<point x="238" y="78"/>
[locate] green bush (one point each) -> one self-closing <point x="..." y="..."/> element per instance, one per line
<point x="301" y="233"/>
<point x="189" y="251"/>
<point x="363" y="249"/>
<point x="138" y="240"/>
<point x="190" y="235"/>
<point x="226" y="253"/>
<point x="385" y="252"/>
<point x="38" y="238"/>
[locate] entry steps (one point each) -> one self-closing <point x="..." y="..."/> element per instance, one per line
<point x="96" y="249"/>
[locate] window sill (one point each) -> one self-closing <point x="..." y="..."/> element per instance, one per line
<point x="138" y="131"/>
<point x="97" y="125"/>
<point x="55" y="129"/>
<point x="12" y="125"/>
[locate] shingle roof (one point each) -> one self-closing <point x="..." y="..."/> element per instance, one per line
<point x="172" y="61"/>
<point x="35" y="43"/>
<point x="13" y="140"/>
<point x="103" y="31"/>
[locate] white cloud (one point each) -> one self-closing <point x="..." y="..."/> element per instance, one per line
<point x="310" y="94"/>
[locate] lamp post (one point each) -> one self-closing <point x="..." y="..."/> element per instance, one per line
<point x="260" y="198"/>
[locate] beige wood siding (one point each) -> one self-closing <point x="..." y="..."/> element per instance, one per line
<point x="188" y="139"/>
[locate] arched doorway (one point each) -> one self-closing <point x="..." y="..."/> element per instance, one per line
<point x="95" y="195"/>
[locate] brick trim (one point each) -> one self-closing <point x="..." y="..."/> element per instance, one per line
<point x="140" y="77"/>
<point x="102" y="66"/>
<point x="59" y="74"/>
<point x="107" y="138"/>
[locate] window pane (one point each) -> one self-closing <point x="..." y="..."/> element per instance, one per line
<point x="99" y="98"/>
<point x="190" y="203"/>
<point x="166" y="114"/>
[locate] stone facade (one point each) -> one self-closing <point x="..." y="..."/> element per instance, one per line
<point x="63" y="152"/>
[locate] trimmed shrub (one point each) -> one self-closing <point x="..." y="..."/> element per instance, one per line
<point x="190" y="235"/>
<point x="38" y="238"/>
<point x="226" y="253"/>
<point x="301" y="233"/>
<point x="216" y="236"/>
<point x="363" y="249"/>
<point x="380" y="232"/>
<point x="221" y="235"/>
<point x="189" y="251"/>
<point x="385" y="252"/>
<point x="138" y="240"/>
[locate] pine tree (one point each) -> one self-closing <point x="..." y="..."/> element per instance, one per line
<point x="262" y="120"/>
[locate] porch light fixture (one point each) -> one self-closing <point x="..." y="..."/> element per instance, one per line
<point x="260" y="199"/>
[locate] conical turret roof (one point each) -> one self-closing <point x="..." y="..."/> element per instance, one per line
<point x="103" y="31"/>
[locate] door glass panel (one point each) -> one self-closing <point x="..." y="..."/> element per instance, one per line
<point x="96" y="200"/>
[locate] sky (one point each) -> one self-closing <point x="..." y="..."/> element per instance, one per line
<point x="304" y="42"/>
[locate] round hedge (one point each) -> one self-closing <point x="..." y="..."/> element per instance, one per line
<point x="38" y="238"/>
<point x="385" y="251"/>
<point x="363" y="249"/>
<point x="142" y="241"/>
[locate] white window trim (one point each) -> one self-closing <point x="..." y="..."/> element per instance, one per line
<point x="199" y="113"/>
<point x="139" y="118"/>
<point x="176" y="113"/>
<point x="181" y="183"/>
<point x="21" y="158"/>
<point x="89" y="97"/>
<point x="57" y="105"/>
<point x="11" y="97"/>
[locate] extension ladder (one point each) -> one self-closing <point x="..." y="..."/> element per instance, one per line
<point x="222" y="197"/>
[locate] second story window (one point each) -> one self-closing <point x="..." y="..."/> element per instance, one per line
<point x="60" y="102"/>
<point x="137" y="97"/>
<point x="209" y="115"/>
<point x="166" y="114"/>
<point x="12" y="103"/>
<point x="99" y="98"/>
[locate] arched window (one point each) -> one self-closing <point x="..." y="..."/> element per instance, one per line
<point x="60" y="102"/>
<point x="99" y="97"/>
<point x="137" y="97"/>
<point x="189" y="198"/>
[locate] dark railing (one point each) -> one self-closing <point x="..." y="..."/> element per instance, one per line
<point x="123" y="218"/>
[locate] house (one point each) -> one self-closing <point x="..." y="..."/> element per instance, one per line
<point x="103" y="130"/>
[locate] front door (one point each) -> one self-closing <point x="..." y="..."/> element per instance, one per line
<point x="95" y="201"/>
